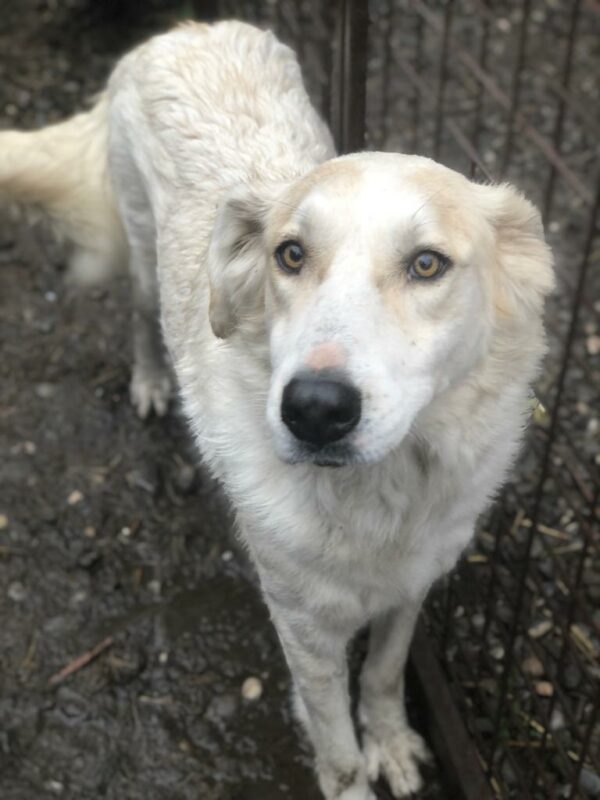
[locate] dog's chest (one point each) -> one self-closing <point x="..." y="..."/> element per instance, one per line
<point x="399" y="534"/>
<point x="354" y="547"/>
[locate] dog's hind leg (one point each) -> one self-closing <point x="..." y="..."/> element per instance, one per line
<point x="150" y="386"/>
<point x="390" y="745"/>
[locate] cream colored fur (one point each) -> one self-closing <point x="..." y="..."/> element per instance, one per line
<point x="217" y="156"/>
<point x="61" y="172"/>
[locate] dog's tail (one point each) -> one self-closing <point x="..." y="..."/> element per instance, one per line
<point x="61" y="173"/>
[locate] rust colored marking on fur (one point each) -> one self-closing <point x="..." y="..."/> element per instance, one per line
<point x="326" y="356"/>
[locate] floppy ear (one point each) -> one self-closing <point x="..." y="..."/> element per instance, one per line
<point x="236" y="261"/>
<point x="524" y="262"/>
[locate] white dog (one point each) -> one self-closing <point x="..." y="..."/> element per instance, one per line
<point x="376" y="313"/>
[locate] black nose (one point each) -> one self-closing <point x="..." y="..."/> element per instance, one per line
<point x="319" y="409"/>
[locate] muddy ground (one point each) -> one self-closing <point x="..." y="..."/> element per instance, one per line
<point x="108" y="528"/>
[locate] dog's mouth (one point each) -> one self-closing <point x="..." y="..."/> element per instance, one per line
<point x="334" y="455"/>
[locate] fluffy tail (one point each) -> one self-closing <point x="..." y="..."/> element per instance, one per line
<point x="61" y="173"/>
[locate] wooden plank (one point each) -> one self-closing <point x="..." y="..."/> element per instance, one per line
<point x="452" y="744"/>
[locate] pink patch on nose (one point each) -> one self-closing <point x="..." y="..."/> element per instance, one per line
<point x="326" y="356"/>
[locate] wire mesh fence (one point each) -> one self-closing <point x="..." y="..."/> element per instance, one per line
<point x="502" y="91"/>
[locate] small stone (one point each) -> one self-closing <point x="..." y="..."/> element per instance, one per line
<point x="533" y="666"/>
<point x="252" y="689"/>
<point x="557" y="720"/>
<point x="126" y="531"/>
<point x="17" y="592"/>
<point x="54" y="786"/>
<point x="29" y="448"/>
<point x="163" y="657"/>
<point x="540" y="629"/>
<point x="540" y="414"/>
<point x="89" y="531"/>
<point x="567" y="517"/>
<point x="593" y="345"/>
<point x="590" y="782"/>
<point x="185" y="478"/>
<point x="50" y="297"/>
<point x="544" y="689"/>
<point x="227" y="555"/>
<point x="221" y="707"/>
<point x="98" y="478"/>
<point x="497" y="652"/>
<point x="75" y="497"/>
<point x="154" y="586"/>
<point x="45" y="390"/>
<point x="503" y="24"/>
<point x="478" y="621"/>
<point x="3" y="522"/>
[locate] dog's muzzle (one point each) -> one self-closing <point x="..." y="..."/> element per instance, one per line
<point x="320" y="408"/>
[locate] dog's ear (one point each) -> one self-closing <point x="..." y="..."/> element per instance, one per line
<point x="524" y="263"/>
<point x="236" y="260"/>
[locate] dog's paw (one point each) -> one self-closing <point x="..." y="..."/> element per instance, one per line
<point x="356" y="793"/>
<point x="345" y="784"/>
<point x="397" y="757"/>
<point x="150" y="390"/>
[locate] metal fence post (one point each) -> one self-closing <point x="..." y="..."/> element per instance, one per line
<point x="206" y="10"/>
<point x="349" y="74"/>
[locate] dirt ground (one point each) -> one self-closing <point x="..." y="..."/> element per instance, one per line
<point x="107" y="527"/>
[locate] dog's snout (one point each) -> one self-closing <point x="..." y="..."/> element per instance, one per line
<point x="319" y="409"/>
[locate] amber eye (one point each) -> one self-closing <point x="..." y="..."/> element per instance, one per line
<point x="428" y="264"/>
<point x="290" y="256"/>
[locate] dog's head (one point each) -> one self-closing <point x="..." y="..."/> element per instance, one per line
<point x="381" y="279"/>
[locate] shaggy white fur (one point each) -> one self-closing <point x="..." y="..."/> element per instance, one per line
<point x="217" y="159"/>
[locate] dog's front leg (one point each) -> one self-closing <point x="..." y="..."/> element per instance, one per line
<point x="391" y="746"/>
<point x="317" y="661"/>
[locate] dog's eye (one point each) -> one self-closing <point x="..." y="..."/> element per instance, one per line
<point x="290" y="256"/>
<point x="428" y="264"/>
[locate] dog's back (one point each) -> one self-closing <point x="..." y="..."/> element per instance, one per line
<point x="215" y="89"/>
<point x="185" y="117"/>
<point x="207" y="107"/>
